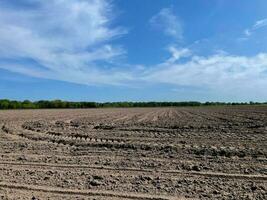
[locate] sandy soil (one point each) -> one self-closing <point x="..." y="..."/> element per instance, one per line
<point x="135" y="153"/>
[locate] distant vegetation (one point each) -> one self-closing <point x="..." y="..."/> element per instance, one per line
<point x="8" y="104"/>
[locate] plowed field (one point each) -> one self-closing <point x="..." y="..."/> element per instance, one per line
<point x="134" y="153"/>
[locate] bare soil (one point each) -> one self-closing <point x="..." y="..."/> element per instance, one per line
<point x="134" y="153"/>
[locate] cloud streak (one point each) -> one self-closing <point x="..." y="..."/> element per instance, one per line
<point x="214" y="70"/>
<point x="258" y="25"/>
<point x="228" y="74"/>
<point x="66" y="39"/>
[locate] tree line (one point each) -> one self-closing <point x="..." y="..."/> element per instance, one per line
<point x="26" y="104"/>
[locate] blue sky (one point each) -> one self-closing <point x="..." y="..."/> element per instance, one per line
<point x="141" y="50"/>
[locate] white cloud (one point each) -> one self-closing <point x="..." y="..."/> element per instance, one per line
<point x="257" y="25"/>
<point x="247" y="32"/>
<point x="218" y="72"/>
<point x="70" y="41"/>
<point x="260" y="24"/>
<point x="178" y="53"/>
<point x="64" y="38"/>
<point x="169" y="23"/>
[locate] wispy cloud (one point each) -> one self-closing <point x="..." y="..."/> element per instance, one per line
<point x="72" y="41"/>
<point x="168" y="22"/>
<point x="67" y="40"/>
<point x="219" y="73"/>
<point x="258" y="24"/>
<point x="177" y="53"/>
<point x="247" y="32"/>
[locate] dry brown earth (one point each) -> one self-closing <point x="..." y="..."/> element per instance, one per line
<point x="135" y="153"/>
